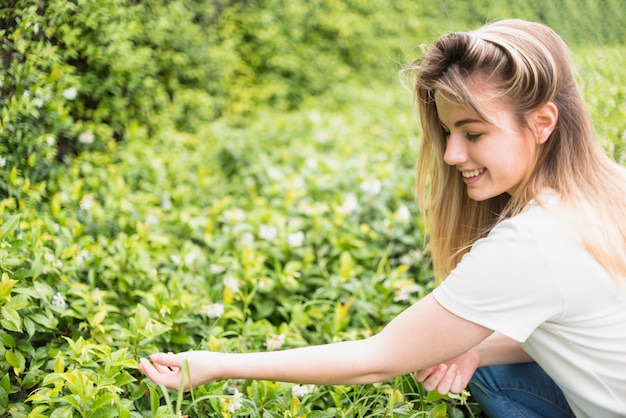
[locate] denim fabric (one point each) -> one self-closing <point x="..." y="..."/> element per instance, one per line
<point x="518" y="390"/>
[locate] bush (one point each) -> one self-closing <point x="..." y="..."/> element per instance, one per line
<point x="223" y="175"/>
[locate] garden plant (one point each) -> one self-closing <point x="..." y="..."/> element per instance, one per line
<point x="230" y="176"/>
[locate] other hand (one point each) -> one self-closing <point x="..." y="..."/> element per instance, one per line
<point x="450" y="377"/>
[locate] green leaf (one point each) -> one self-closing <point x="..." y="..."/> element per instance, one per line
<point x="18" y="302"/>
<point x="9" y="225"/>
<point x="10" y="319"/>
<point x="16" y="360"/>
<point x="104" y="402"/>
<point x="7" y="340"/>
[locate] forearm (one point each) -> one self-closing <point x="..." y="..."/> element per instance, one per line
<point x="498" y="349"/>
<point x="352" y="362"/>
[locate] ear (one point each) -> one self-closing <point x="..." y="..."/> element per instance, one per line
<point x="543" y="121"/>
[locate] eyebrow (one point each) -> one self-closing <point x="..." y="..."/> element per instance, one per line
<point x="464" y="122"/>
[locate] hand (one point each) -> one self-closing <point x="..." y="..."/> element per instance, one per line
<point x="450" y="377"/>
<point x="174" y="370"/>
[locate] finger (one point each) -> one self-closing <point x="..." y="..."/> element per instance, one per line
<point x="421" y="375"/>
<point x="446" y="381"/>
<point x="168" y="360"/>
<point x="457" y="384"/>
<point x="150" y="371"/>
<point x="432" y="381"/>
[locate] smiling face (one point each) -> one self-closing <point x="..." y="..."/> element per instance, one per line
<point x="494" y="156"/>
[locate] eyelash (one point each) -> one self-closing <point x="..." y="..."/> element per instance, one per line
<point x="469" y="136"/>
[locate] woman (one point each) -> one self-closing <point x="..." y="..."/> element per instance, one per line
<point x="526" y="220"/>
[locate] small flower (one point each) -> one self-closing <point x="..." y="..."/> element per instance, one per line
<point x="234" y="402"/>
<point x="371" y="187"/>
<point x="412" y="257"/>
<point x="83" y="257"/>
<point x="213" y="310"/>
<point x="246" y="239"/>
<point x="403" y="214"/>
<point x="296" y="239"/>
<point x="234" y="215"/>
<point x="86" y="202"/>
<point x="166" y="203"/>
<point x="70" y="93"/>
<point x="275" y="342"/>
<point x="97" y="296"/>
<point x="232" y="283"/>
<point x="216" y="269"/>
<point x="51" y="140"/>
<point x="87" y="137"/>
<point x="350" y="204"/>
<point x="267" y="232"/>
<point x="191" y="257"/>
<point x="3" y="162"/>
<point x="59" y="300"/>
<point x="405" y="292"/>
<point x="301" y="390"/>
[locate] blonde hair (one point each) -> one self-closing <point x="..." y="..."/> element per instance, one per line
<point x="527" y="65"/>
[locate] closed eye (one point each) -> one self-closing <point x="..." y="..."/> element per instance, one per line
<point x="472" y="137"/>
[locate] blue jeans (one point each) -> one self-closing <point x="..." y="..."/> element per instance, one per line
<point x="518" y="390"/>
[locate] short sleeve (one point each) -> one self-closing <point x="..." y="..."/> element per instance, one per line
<point x="505" y="283"/>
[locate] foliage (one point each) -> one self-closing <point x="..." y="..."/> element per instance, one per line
<point x="231" y="176"/>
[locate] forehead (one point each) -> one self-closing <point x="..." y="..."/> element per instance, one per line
<point x="479" y="104"/>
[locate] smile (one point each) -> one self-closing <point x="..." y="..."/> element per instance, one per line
<point x="472" y="173"/>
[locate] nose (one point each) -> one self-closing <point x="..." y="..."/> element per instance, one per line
<point x="456" y="150"/>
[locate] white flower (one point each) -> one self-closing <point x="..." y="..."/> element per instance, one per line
<point x="214" y="310"/>
<point x="59" y="300"/>
<point x="97" y="295"/>
<point x="405" y="292"/>
<point x="403" y="214"/>
<point x="246" y="239"/>
<point x="39" y="101"/>
<point x="83" y="256"/>
<point x="412" y="257"/>
<point x="371" y="187"/>
<point x="301" y="390"/>
<point x="232" y="283"/>
<point x="216" y="269"/>
<point x="191" y="257"/>
<point x="234" y="402"/>
<point x="275" y="342"/>
<point x="87" y="137"/>
<point x="86" y="202"/>
<point x="296" y="239"/>
<point x="234" y="215"/>
<point x="70" y="93"/>
<point x="50" y="140"/>
<point x="3" y="162"/>
<point x="350" y="204"/>
<point x="166" y="202"/>
<point x="267" y="232"/>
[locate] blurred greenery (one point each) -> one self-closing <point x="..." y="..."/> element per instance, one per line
<point x="233" y="176"/>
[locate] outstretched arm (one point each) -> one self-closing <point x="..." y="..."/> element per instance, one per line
<point x="423" y="335"/>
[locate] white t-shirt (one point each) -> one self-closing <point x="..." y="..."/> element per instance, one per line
<point x="530" y="280"/>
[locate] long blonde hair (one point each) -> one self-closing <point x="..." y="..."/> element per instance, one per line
<point x="528" y="65"/>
